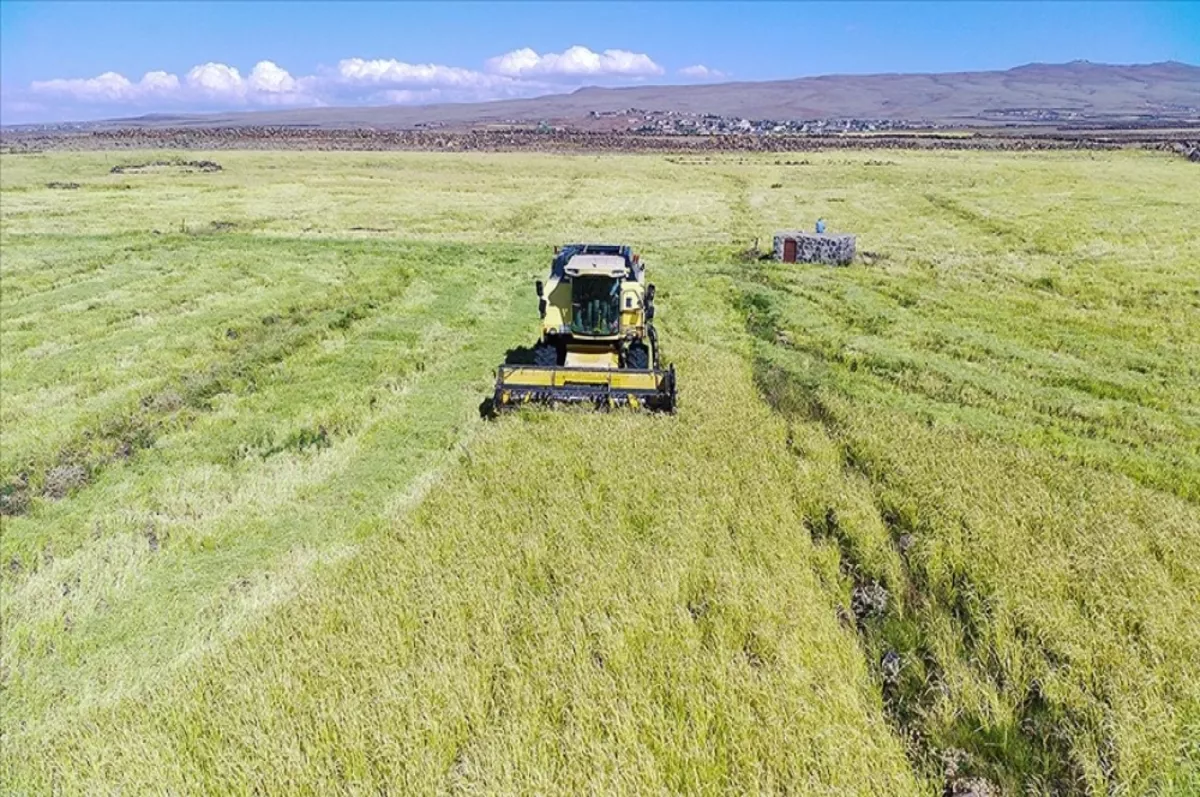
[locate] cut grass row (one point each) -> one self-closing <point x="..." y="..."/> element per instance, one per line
<point x="305" y="435"/>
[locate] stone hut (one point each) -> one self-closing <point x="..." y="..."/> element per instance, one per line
<point x="814" y="247"/>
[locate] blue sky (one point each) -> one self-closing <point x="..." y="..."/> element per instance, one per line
<point x="85" y="60"/>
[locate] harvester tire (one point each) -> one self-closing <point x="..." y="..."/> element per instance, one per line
<point x="638" y="356"/>
<point x="545" y="355"/>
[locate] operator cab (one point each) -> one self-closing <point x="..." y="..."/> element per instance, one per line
<point x="595" y="293"/>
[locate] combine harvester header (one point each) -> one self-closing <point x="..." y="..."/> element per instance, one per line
<point x="598" y="343"/>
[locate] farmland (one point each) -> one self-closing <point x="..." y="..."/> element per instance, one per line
<point x="925" y="522"/>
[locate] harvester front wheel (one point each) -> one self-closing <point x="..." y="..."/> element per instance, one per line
<point x="638" y="356"/>
<point x="545" y="355"/>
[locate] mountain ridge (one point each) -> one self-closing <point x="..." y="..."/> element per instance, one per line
<point x="1034" y="92"/>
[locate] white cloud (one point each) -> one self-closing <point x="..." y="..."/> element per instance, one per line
<point x="390" y="72"/>
<point x="159" y="83"/>
<point x="205" y="84"/>
<point x="214" y="85"/>
<point x="217" y="80"/>
<point x="701" y="72"/>
<point x="267" y="76"/>
<point x="270" y="84"/>
<point x="575" y="61"/>
<point x="108" y="87"/>
<point x="516" y="62"/>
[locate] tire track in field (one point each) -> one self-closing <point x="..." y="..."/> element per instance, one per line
<point x="1009" y="235"/>
<point x="742" y="220"/>
<point x="158" y="317"/>
<point x="254" y="346"/>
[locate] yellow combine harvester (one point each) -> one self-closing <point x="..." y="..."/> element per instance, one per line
<point x="598" y="342"/>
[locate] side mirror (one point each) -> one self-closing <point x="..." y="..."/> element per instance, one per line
<point x="539" y="287"/>
<point x="650" y="292"/>
<point x="556" y="249"/>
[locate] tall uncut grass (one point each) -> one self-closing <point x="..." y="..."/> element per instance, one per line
<point x="929" y="518"/>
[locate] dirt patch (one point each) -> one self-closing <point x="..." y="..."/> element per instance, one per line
<point x="62" y="186"/>
<point x="1027" y="750"/>
<point x="151" y="167"/>
<point x="163" y="402"/>
<point x="752" y="254"/>
<point x="973" y="787"/>
<point x="14" y="496"/>
<point x="954" y="763"/>
<point x="215" y="227"/>
<point x="60" y="481"/>
<point x="869" y="599"/>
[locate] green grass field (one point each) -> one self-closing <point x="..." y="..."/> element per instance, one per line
<point x="928" y="519"/>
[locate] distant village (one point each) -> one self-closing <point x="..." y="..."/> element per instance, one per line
<point x="681" y="123"/>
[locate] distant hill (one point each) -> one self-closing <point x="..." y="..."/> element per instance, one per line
<point x="1035" y="93"/>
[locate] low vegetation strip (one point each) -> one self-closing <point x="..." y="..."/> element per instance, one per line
<point x="925" y="524"/>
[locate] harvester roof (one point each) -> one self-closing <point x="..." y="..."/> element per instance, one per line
<point x="596" y="265"/>
<point x="570" y="252"/>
